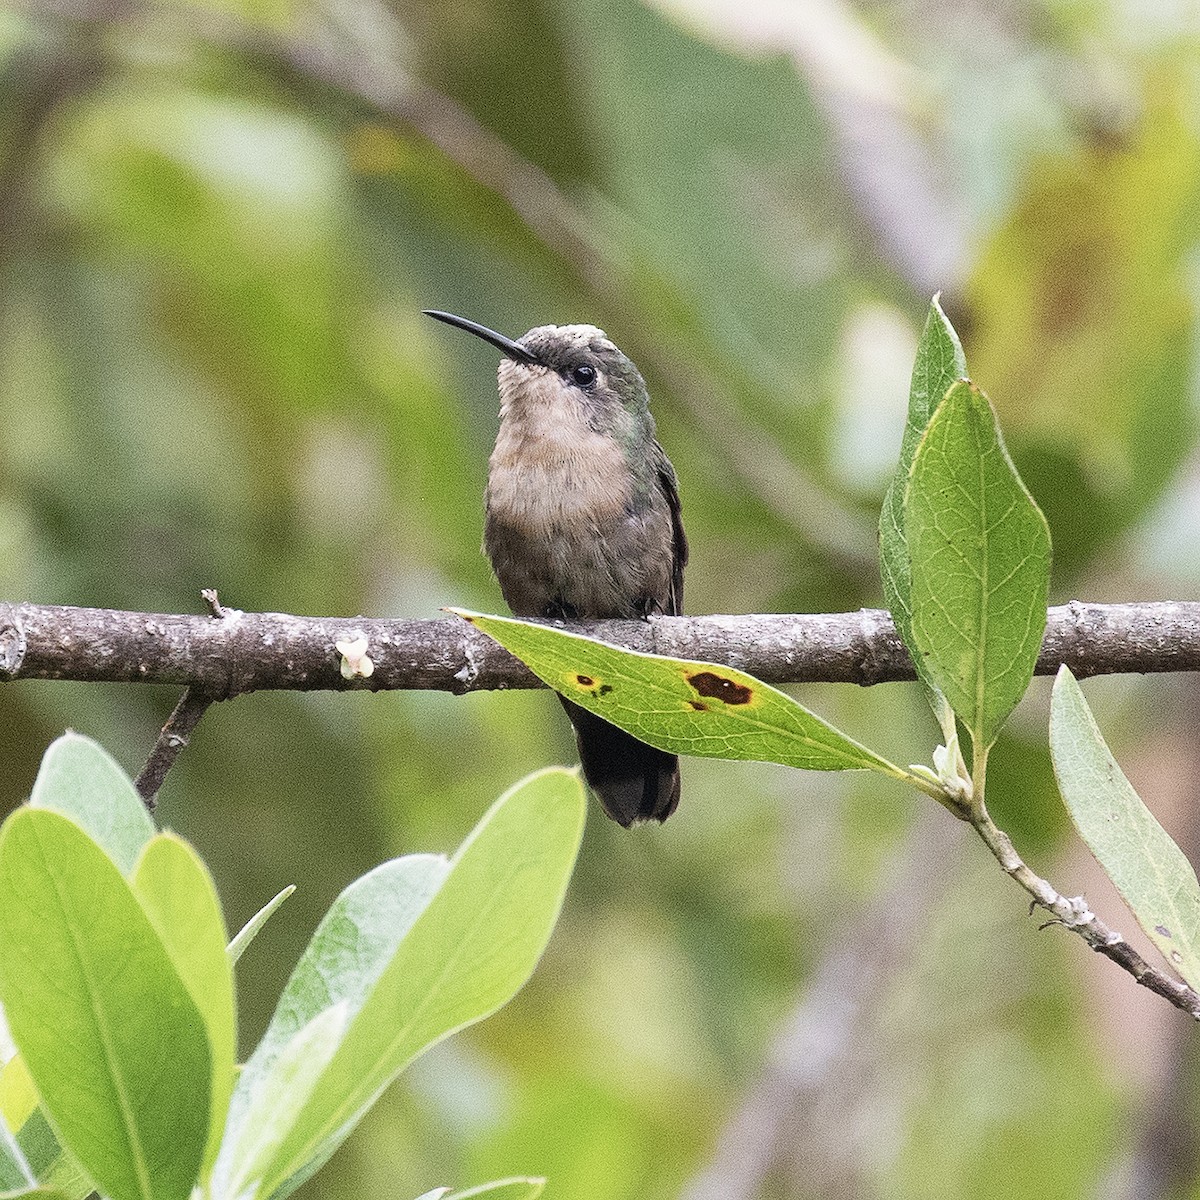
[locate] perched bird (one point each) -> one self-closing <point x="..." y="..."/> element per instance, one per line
<point x="582" y="520"/>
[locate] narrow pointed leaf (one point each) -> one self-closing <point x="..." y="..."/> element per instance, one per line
<point x="83" y="781"/>
<point x="980" y="556"/>
<point x="680" y="706"/>
<point x="111" y="1037"/>
<point x="1149" y="870"/>
<point x="249" y="931"/>
<point x="476" y="942"/>
<point x="939" y="364"/>
<point x="178" y="895"/>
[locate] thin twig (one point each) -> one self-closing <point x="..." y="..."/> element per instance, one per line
<point x="1074" y="914"/>
<point x="175" y="735"/>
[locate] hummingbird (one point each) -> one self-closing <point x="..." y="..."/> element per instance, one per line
<point x="582" y="519"/>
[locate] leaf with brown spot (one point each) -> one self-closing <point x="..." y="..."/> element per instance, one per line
<point x="720" y="687"/>
<point x="683" y="707"/>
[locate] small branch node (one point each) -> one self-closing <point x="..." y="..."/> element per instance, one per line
<point x="213" y="601"/>
<point x="356" y="662"/>
<point x="469" y="671"/>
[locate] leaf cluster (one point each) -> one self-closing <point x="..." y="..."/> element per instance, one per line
<point x="117" y="983"/>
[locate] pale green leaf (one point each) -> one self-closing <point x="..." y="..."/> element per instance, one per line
<point x="1149" y="870"/>
<point x="277" y="1098"/>
<point x="83" y="781"/>
<point x="180" y="898"/>
<point x="680" y="706"/>
<point x="18" y="1096"/>
<point x="351" y="948"/>
<point x="474" y="944"/>
<point x="980" y="555"/>
<point x="112" y="1039"/>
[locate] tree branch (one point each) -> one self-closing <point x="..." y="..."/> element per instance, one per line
<point x="238" y="652"/>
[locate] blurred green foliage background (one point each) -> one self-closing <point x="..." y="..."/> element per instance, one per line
<point x="218" y="224"/>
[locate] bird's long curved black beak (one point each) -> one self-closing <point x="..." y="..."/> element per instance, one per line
<point x="506" y="346"/>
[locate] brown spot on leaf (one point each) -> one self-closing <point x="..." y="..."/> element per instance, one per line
<point x="699" y="705"/>
<point x="708" y="683"/>
<point x="585" y="681"/>
<point x="604" y="689"/>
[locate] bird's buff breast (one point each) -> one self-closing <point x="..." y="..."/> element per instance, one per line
<point x="551" y="472"/>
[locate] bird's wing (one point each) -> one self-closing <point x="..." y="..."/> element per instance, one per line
<point x="679" y="548"/>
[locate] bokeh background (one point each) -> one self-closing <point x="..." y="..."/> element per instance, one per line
<point x="218" y="224"/>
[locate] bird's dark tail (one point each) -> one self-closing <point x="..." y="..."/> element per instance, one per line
<point x="633" y="781"/>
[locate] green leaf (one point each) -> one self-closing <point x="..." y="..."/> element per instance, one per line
<point x="939" y="364"/>
<point x="18" y="1096"/>
<point x="278" y="1096"/>
<point x="680" y="706"/>
<point x="178" y="895"/>
<point x="473" y="940"/>
<point x="82" y="781"/>
<point x="1152" y="874"/>
<point x="249" y="931"/>
<point x="358" y="937"/>
<point x="111" y="1037"/>
<point x="980" y="557"/>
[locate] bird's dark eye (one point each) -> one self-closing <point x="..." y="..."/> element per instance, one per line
<point x="583" y="375"/>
